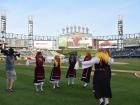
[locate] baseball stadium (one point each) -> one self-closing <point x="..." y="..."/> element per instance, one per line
<point x="125" y="76"/>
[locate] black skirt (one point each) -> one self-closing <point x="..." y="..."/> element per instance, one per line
<point x="86" y="75"/>
<point x="101" y="84"/>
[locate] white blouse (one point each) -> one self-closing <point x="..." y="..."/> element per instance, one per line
<point x="94" y="60"/>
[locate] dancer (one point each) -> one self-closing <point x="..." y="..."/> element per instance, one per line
<point x="56" y="72"/>
<point x="39" y="72"/>
<point x="86" y="71"/>
<point x="102" y="75"/>
<point x="71" y="73"/>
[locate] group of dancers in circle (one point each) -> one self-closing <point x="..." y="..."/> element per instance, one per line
<point x="101" y="79"/>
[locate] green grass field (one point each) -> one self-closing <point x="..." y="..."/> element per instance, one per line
<point x="125" y="88"/>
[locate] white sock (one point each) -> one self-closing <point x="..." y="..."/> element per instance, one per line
<point x="36" y="88"/>
<point x="57" y="83"/>
<point x="106" y="101"/>
<point x="85" y="84"/>
<point x="68" y="81"/>
<point x="54" y="85"/>
<point x="72" y="81"/>
<point x="41" y="87"/>
<point x="101" y="100"/>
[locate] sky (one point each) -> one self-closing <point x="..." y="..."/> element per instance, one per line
<point x="50" y="16"/>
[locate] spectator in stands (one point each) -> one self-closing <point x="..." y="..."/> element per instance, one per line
<point x="39" y="72"/>
<point x="56" y="72"/>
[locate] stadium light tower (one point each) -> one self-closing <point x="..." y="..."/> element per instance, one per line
<point x="120" y="32"/>
<point x="30" y="32"/>
<point x="79" y="28"/>
<point x="2" y="28"/>
<point x="120" y="25"/>
<point x="63" y="31"/>
<point x="87" y="30"/>
<point x="71" y="29"/>
<point x="3" y="21"/>
<point x="67" y="29"/>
